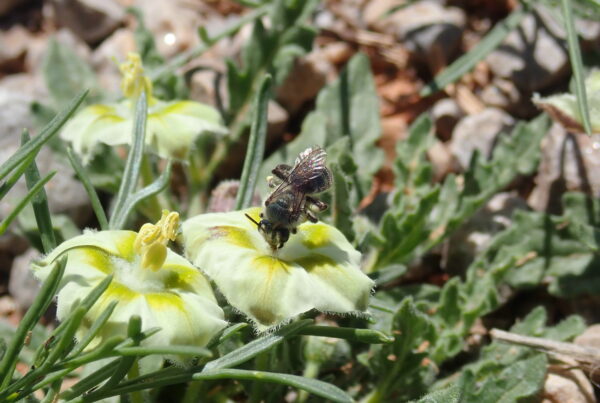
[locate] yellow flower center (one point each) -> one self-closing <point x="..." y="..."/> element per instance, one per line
<point x="134" y="81"/>
<point x="151" y="240"/>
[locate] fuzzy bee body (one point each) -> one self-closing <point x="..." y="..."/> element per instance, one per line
<point x="291" y="203"/>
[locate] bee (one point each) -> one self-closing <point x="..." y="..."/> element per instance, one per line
<point x="291" y="203"/>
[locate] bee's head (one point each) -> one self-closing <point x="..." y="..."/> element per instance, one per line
<point x="276" y="237"/>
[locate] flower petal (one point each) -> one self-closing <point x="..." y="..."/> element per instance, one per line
<point x="174" y="126"/>
<point x="317" y="268"/>
<point x="109" y="124"/>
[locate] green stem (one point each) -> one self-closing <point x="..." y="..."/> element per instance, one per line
<point x="194" y="392"/>
<point x="311" y="370"/>
<point x="151" y="206"/>
<point x="134" y="372"/>
<point x="261" y="363"/>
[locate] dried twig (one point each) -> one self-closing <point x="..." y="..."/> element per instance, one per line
<point x="588" y="358"/>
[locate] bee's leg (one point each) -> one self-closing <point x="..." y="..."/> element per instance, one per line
<point x="318" y="204"/>
<point x="311" y="216"/>
<point x="293" y="230"/>
<point x="282" y="171"/>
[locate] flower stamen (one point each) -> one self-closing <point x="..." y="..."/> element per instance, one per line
<point x="134" y="81"/>
<point x="152" y="239"/>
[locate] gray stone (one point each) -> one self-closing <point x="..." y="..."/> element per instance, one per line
<point x="277" y="120"/>
<point x="569" y="162"/>
<point x="531" y="56"/>
<point x="22" y="285"/>
<point x="65" y="193"/>
<point x="13" y="47"/>
<point x="445" y="114"/>
<point x="91" y="20"/>
<point x="504" y="94"/>
<point x="202" y="86"/>
<point x="304" y="82"/>
<point x="432" y="32"/>
<point x="479" y="132"/>
<point x="116" y="46"/>
<point x="175" y="23"/>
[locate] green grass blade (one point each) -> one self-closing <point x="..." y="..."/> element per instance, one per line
<point x="126" y="362"/>
<point x="39" y="202"/>
<point x="154" y="188"/>
<point x="466" y="62"/>
<point x="361" y="335"/>
<point x="66" y="339"/>
<point x="33" y="314"/>
<point x="89" y="336"/>
<point x="256" y="146"/>
<point x="8" y="184"/>
<point x="164" y="350"/>
<point x="226" y="334"/>
<point x="576" y="65"/>
<point x="316" y="387"/>
<point x="134" y="161"/>
<point x="32" y="192"/>
<point x="256" y="347"/>
<point x="47" y="132"/>
<point x="90" y="381"/>
<point x="89" y="188"/>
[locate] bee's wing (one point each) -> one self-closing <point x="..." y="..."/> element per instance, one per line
<point x="282" y="188"/>
<point x="309" y="165"/>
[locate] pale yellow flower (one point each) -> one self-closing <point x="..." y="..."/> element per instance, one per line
<point x="316" y="269"/>
<point x="171" y="128"/>
<point x="150" y="280"/>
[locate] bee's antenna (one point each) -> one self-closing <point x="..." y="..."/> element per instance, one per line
<point x="252" y="219"/>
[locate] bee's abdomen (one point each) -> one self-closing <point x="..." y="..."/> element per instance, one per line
<point x="318" y="184"/>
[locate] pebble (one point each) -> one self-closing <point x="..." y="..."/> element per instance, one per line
<point x="479" y="132"/>
<point x="531" y="56"/>
<point x="22" y="284"/>
<point x="569" y="162"/>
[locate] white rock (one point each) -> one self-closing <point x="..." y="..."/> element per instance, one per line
<point x="22" y="284"/>
<point x="304" y="81"/>
<point x="479" y="132"/>
<point x="531" y="56"/>
<point x="569" y="162"/>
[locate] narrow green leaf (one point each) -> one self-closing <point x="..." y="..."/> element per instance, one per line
<point x="171" y="350"/>
<point x="152" y="189"/>
<point x="8" y="184"/>
<point x="576" y="65"/>
<point x="316" y="387"/>
<point x="133" y="332"/>
<point x="466" y="62"/>
<point x="89" y="188"/>
<point x="39" y="202"/>
<point x="90" y="381"/>
<point x="32" y="192"/>
<point x="66" y="338"/>
<point x="33" y="314"/>
<point x="226" y="334"/>
<point x="257" y="346"/>
<point x="98" y="324"/>
<point x="134" y="161"/>
<point x="47" y="132"/>
<point x="256" y="146"/>
<point x="361" y="335"/>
